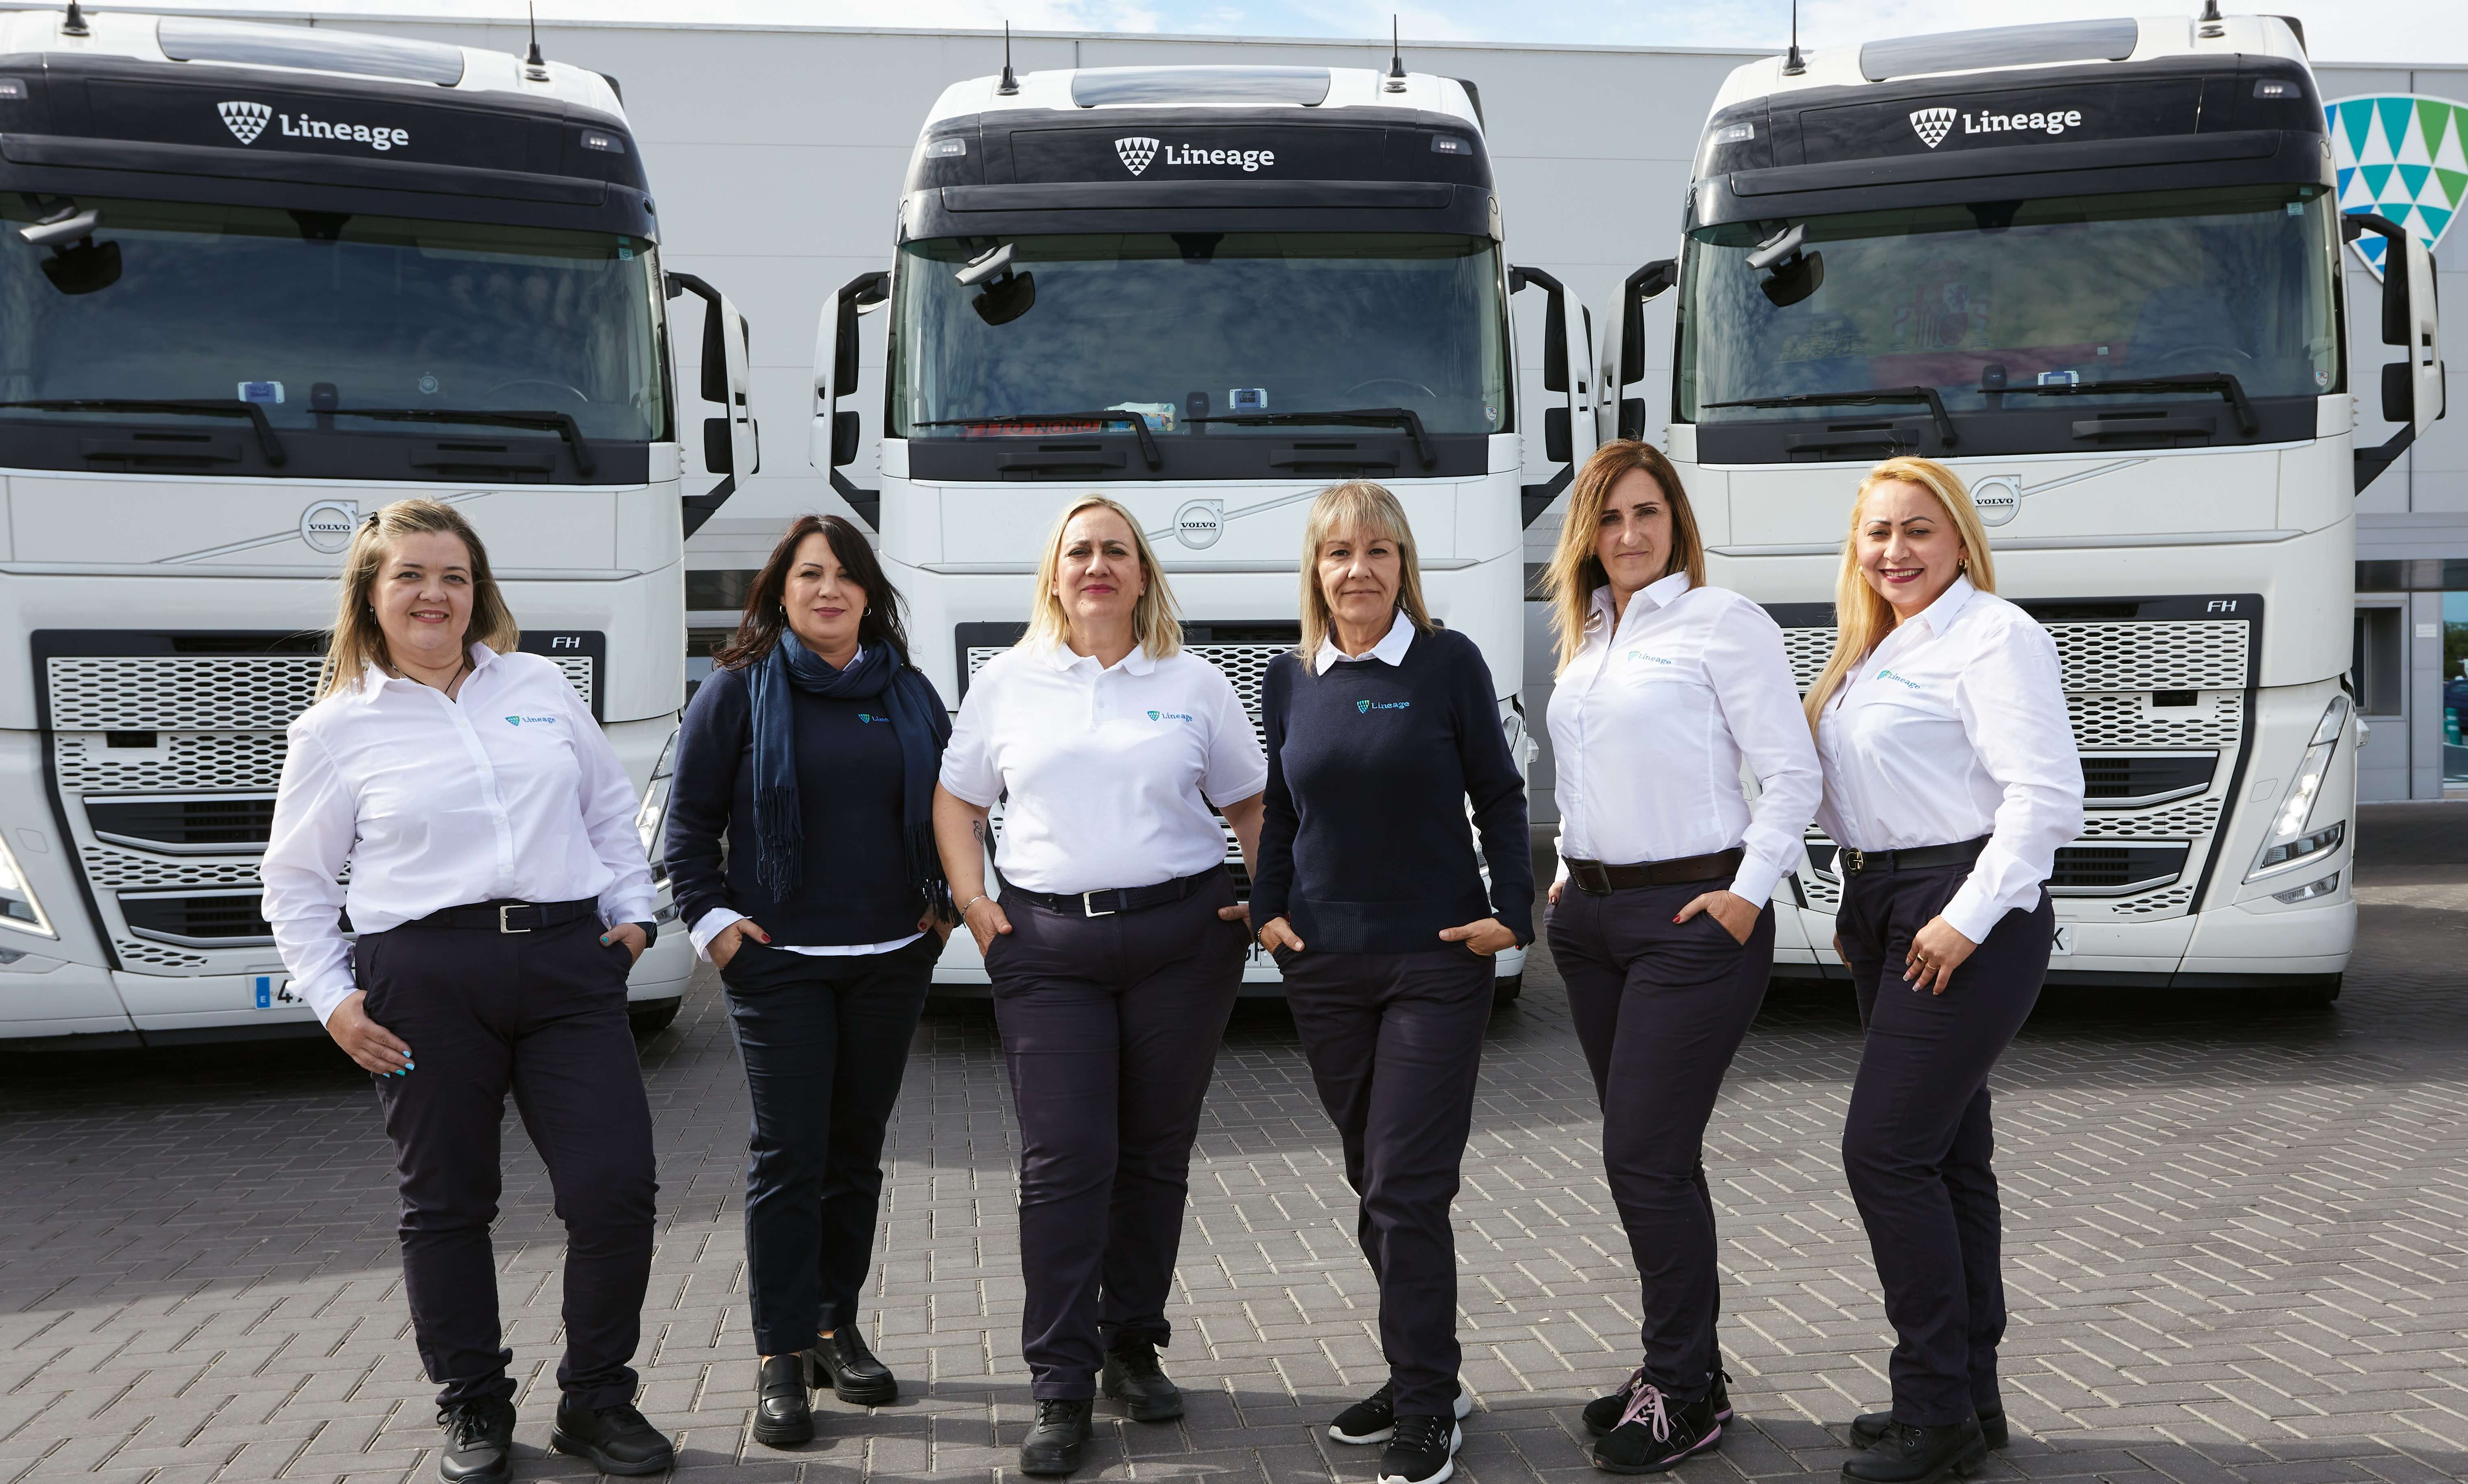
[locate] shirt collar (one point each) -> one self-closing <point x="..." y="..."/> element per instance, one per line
<point x="1063" y="657"/>
<point x="1390" y="651"/>
<point x="373" y="678"/>
<point x="1939" y="616"/>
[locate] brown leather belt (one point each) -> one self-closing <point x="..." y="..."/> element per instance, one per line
<point x="1597" y="879"/>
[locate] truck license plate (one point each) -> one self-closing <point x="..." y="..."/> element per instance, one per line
<point x="2064" y="939"/>
<point x="272" y="991"/>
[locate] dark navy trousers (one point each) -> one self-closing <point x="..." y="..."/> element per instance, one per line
<point x="1109" y="1029"/>
<point x="825" y="1041"/>
<point x="1660" y="1008"/>
<point x="1916" y="1145"/>
<point x="1394" y="1044"/>
<point x="542" y="1015"/>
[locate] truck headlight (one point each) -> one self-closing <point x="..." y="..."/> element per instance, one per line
<point x="2294" y="838"/>
<point x="18" y="908"/>
<point x="651" y="819"/>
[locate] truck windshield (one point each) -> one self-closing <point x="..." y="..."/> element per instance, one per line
<point x="1969" y="300"/>
<point x="286" y="308"/>
<point x="1193" y="323"/>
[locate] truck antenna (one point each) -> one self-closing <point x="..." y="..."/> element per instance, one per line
<point x="1397" y="57"/>
<point x="1795" y="64"/>
<point x="535" y="65"/>
<point x="75" y="25"/>
<point x="1009" y="87"/>
<point x="2211" y="11"/>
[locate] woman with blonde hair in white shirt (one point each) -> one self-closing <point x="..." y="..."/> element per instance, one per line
<point x="1115" y="947"/>
<point x="500" y="895"/>
<point x="1950" y="780"/>
<point x="1661" y="922"/>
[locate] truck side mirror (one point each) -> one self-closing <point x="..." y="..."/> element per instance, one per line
<point x="718" y="453"/>
<point x="726" y="379"/>
<point x="1622" y="362"/>
<point x="833" y="439"/>
<point x="1568" y="429"/>
<point x="2412" y="389"/>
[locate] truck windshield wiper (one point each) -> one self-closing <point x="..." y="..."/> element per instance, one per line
<point x="561" y="423"/>
<point x="1358" y="417"/>
<point x="2220" y="382"/>
<point x="1869" y="398"/>
<point x="203" y="408"/>
<point x="1139" y="426"/>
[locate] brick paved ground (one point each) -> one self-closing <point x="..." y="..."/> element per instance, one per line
<point x="2234" y="1235"/>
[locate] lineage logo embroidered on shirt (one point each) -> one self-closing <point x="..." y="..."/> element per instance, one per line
<point x="1382" y="705"/>
<point x="533" y="720"/>
<point x="1169" y="715"/>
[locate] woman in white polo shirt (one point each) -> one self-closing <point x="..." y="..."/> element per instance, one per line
<point x="1115" y="949"/>
<point x="1951" y="781"/>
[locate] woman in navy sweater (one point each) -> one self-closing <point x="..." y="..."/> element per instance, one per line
<point x="813" y="746"/>
<point x="1381" y="728"/>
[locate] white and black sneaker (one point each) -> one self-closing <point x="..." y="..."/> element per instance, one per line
<point x="1374" y="1418"/>
<point x="1421" y="1450"/>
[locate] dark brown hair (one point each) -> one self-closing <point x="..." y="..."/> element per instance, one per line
<point x="765" y="618"/>
<point x="1575" y="571"/>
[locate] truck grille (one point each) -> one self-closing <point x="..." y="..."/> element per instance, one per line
<point x="166" y="764"/>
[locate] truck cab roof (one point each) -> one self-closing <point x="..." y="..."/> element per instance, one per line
<point x="1304" y="91"/>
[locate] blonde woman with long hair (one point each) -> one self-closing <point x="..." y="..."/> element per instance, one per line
<point x="1382" y="729"/>
<point x="1951" y="779"/>
<point x="1115" y="947"/>
<point x="500" y="895"/>
<point x="1661" y="921"/>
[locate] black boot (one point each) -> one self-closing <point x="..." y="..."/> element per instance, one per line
<point x="1133" y="1377"/>
<point x="855" y="1375"/>
<point x="1919" y="1455"/>
<point x="1652" y="1435"/>
<point x="612" y="1439"/>
<point x="1053" y="1446"/>
<point x="479" y="1442"/>
<point x="783" y="1415"/>
<point x="1868" y="1427"/>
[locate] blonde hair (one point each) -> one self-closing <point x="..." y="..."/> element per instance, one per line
<point x="1576" y="566"/>
<point x="1156" y="623"/>
<point x="1362" y="509"/>
<point x="1861" y="615"/>
<point x="358" y="642"/>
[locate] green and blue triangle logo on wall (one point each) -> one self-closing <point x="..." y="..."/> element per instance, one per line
<point x="2402" y="158"/>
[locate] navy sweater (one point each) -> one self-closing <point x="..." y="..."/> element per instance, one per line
<point x="856" y="884"/>
<point x="1364" y="848"/>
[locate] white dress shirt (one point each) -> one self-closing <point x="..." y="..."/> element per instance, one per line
<point x="1390" y="651"/>
<point x="1651" y="722"/>
<point x="711" y="923"/>
<point x="508" y="791"/>
<point x="1102" y="770"/>
<point x="1954" y="727"/>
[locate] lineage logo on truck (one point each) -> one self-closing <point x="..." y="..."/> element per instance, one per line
<point x="247" y="121"/>
<point x="1933" y="124"/>
<point x="1138" y="153"/>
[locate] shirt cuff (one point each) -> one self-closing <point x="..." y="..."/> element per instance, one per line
<point x="326" y="992"/>
<point x="1972" y="914"/>
<point x="631" y="907"/>
<point x="710" y="925"/>
<point x="1756" y="880"/>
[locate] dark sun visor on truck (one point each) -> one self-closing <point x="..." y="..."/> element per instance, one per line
<point x="1143" y="169"/>
<point x="2054" y="131"/>
<point x="121" y="126"/>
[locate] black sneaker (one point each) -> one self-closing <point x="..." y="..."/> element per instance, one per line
<point x="1374" y="1418"/>
<point x="1919" y="1455"/>
<point x="855" y="1375"/>
<point x="612" y="1439"/>
<point x="1603" y="1413"/>
<point x="1133" y="1377"/>
<point x="1652" y="1435"/>
<point x="783" y="1415"/>
<point x="479" y="1442"/>
<point x="1053" y="1445"/>
<point x="1868" y="1427"/>
<point x="1421" y="1450"/>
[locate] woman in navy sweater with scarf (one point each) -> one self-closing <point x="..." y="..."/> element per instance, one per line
<point x="814" y="748"/>
<point x="1381" y="728"/>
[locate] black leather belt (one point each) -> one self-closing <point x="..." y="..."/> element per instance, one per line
<point x="510" y="917"/>
<point x="1114" y="899"/>
<point x="1597" y="879"/>
<point x="1919" y="857"/>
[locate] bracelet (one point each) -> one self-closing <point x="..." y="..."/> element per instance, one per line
<point x="970" y="902"/>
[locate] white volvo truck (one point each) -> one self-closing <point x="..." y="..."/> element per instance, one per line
<point x="261" y="280"/>
<point x="2095" y="266"/>
<point x="1207" y="292"/>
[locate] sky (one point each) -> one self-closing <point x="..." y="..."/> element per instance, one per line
<point x="2380" y="31"/>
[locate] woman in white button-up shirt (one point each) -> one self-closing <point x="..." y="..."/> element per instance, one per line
<point x="1661" y="920"/>
<point x="1950" y="780"/>
<point x="500" y="895"/>
<point x="1115" y="950"/>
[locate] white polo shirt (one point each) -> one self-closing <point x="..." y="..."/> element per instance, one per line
<point x="1954" y="727"/>
<point x="1102" y="772"/>
<point x="1650" y="724"/>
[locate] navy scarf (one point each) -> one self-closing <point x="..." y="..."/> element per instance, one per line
<point x="916" y="720"/>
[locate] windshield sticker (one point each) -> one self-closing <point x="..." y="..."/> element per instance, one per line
<point x="1247" y="398"/>
<point x="2400" y="157"/>
<point x="268" y="394"/>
